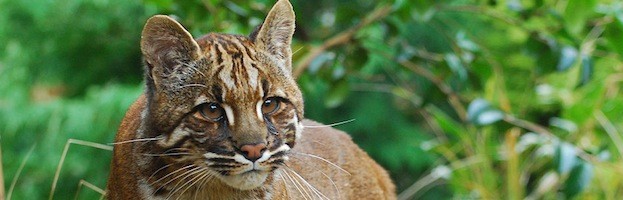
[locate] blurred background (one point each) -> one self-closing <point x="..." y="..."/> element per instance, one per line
<point x="462" y="99"/>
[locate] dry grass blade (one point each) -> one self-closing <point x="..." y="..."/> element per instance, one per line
<point x="90" y="186"/>
<point x="19" y="172"/>
<point x="432" y="177"/>
<point x="610" y="130"/>
<point x="65" y="150"/>
<point x="136" y="140"/>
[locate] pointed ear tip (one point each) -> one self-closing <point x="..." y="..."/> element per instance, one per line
<point x="157" y="19"/>
<point x="281" y="3"/>
<point x="159" y="22"/>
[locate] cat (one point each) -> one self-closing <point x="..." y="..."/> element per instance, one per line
<point x="222" y="118"/>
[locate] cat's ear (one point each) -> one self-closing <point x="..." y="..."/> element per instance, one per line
<point x="275" y="34"/>
<point x="166" y="44"/>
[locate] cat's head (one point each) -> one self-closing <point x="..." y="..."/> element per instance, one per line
<point x="223" y="104"/>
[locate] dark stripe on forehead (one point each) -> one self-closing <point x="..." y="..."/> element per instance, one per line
<point x="217" y="91"/>
<point x="243" y="72"/>
<point x="220" y="38"/>
<point x="241" y="45"/>
<point x="265" y="87"/>
<point x="236" y="55"/>
<point x="247" y="50"/>
<point x="219" y="54"/>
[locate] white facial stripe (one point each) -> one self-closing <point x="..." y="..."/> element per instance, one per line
<point x="299" y="127"/>
<point x="226" y="78"/>
<point x="258" y="110"/>
<point x="223" y="94"/>
<point x="280" y="93"/>
<point x="266" y="155"/>
<point x="201" y="99"/>
<point x="229" y="113"/>
<point x="238" y="158"/>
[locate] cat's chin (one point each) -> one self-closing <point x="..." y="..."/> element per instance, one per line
<point x="246" y="181"/>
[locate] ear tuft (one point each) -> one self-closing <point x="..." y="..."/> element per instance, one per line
<point x="165" y="43"/>
<point x="275" y="34"/>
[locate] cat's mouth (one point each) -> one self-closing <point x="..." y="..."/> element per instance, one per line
<point x="246" y="181"/>
<point x="251" y="176"/>
<point x="243" y="174"/>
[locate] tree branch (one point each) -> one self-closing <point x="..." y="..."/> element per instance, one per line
<point x="341" y="38"/>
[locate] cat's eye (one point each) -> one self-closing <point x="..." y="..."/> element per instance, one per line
<point x="210" y="112"/>
<point x="270" y="105"/>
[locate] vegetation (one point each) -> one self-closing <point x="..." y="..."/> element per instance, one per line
<point x="464" y="99"/>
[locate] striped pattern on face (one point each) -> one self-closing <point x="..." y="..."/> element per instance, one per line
<point x="223" y="106"/>
<point x="233" y="61"/>
<point x="239" y="79"/>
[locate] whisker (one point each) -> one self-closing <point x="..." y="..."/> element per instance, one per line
<point x="296" y="184"/>
<point x="136" y="140"/>
<point x="203" y="182"/>
<point x="186" y="185"/>
<point x="321" y="158"/>
<point x="204" y="173"/>
<point x="185" y="174"/>
<point x="285" y="185"/>
<point x="331" y="125"/>
<point x="164" y="167"/>
<point x="193" y="67"/>
<point x="193" y="85"/>
<point x="309" y="186"/>
<point x="177" y="149"/>
<point x="165" y="154"/>
<point x="337" y="190"/>
<point x="174" y="172"/>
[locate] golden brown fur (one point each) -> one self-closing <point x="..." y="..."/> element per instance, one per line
<point x="222" y="118"/>
<point x="359" y="177"/>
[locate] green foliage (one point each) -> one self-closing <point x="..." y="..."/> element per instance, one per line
<point x="73" y="43"/>
<point x="457" y="99"/>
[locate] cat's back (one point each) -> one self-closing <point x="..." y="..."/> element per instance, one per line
<point x="335" y="166"/>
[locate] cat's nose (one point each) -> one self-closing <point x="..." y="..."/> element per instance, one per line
<point x="253" y="151"/>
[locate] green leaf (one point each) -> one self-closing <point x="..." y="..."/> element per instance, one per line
<point x="465" y="43"/>
<point x="579" y="178"/>
<point x="337" y="94"/>
<point x="545" y="50"/>
<point x="446" y="123"/>
<point x="586" y="71"/>
<point x="577" y="13"/>
<point x="612" y="36"/>
<point x="566" y="158"/>
<point x="568" y="55"/>
<point x="480" y="112"/>
<point x="455" y="64"/>
<point x="338" y="70"/>
<point x="319" y="61"/>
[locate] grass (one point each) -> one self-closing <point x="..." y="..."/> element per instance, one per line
<point x="60" y="165"/>
<point x="62" y="129"/>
